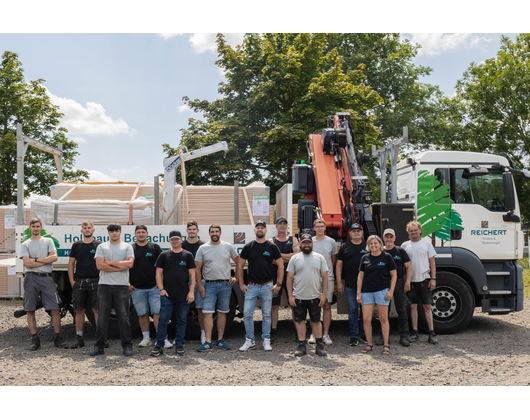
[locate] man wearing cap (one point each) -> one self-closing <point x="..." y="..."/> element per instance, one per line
<point x="288" y="246"/>
<point x="260" y="254"/>
<point x="175" y="278"/>
<point x="213" y="264"/>
<point x="348" y="261"/>
<point x="402" y="260"/>
<point x="307" y="282"/>
<point x="142" y="278"/>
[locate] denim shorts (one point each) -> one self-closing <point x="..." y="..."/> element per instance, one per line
<point x="217" y="292"/>
<point x="376" y="297"/>
<point x="145" y="299"/>
<point x="198" y="299"/>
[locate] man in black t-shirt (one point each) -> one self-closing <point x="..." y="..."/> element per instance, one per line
<point x="347" y="269"/>
<point x="84" y="277"/>
<point x="260" y="254"/>
<point x="142" y="279"/>
<point x="192" y="244"/>
<point x="175" y="278"/>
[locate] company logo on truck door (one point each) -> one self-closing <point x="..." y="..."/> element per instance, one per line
<point x="435" y="211"/>
<point x="27" y="235"/>
<point x="239" y="238"/>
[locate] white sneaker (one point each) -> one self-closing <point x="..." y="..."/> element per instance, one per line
<point x="312" y="339"/>
<point x="267" y="344"/>
<point x="327" y="340"/>
<point x="146" y="342"/>
<point x="249" y="344"/>
<point x="167" y="344"/>
<point x="203" y="338"/>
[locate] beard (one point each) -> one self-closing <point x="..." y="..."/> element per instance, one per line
<point x="87" y="235"/>
<point x="307" y="250"/>
<point x="214" y="238"/>
<point x="260" y="235"/>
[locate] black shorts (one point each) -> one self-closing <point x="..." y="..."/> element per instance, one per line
<point x="85" y="294"/>
<point x="277" y="300"/>
<point x="303" y="307"/>
<point x="420" y="293"/>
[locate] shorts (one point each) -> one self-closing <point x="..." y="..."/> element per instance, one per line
<point x="145" y="299"/>
<point x="377" y="298"/>
<point x="330" y="292"/>
<point x="198" y="299"/>
<point x="217" y="292"/>
<point x="420" y="293"/>
<point x="43" y="286"/>
<point x="85" y="294"/>
<point x="303" y="307"/>
<point x="277" y="300"/>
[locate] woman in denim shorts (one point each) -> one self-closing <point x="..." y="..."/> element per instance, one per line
<point x="375" y="286"/>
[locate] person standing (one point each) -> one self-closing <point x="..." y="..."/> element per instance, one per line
<point x="114" y="259"/>
<point x="327" y="247"/>
<point x="348" y="261"/>
<point x="84" y="278"/>
<point x="307" y="282"/>
<point x="192" y="244"/>
<point x="260" y="254"/>
<point x="375" y="286"/>
<point x="175" y="278"/>
<point x="402" y="261"/>
<point x="288" y="246"/>
<point x="142" y="279"/>
<point x="423" y="281"/>
<point x="38" y="255"/>
<point x="213" y="264"/>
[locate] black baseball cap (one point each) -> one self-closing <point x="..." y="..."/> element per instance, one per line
<point x="175" y="234"/>
<point x="356" y="226"/>
<point x="306" y="237"/>
<point x="281" y="219"/>
<point x="144" y="227"/>
<point x="260" y="222"/>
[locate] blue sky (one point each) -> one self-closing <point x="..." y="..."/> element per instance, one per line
<point x="122" y="93"/>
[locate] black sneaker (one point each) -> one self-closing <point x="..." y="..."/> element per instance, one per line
<point x="413" y="336"/>
<point x="59" y="342"/>
<point x="432" y="338"/>
<point x="79" y="342"/>
<point x="180" y="350"/>
<point x="96" y="351"/>
<point x="319" y="349"/>
<point x="274" y="336"/>
<point x="404" y="341"/>
<point x="362" y="338"/>
<point x="157" y="351"/>
<point x="127" y="351"/>
<point x="35" y="343"/>
<point x="302" y="349"/>
<point x="354" y="341"/>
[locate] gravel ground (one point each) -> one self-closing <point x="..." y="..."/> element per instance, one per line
<point x="492" y="350"/>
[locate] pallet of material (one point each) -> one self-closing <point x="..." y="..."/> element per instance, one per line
<point x="8" y="214"/>
<point x="10" y="284"/>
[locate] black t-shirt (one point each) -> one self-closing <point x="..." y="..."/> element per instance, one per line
<point x="376" y="272"/>
<point x="143" y="273"/>
<point x="285" y="247"/>
<point x="350" y="255"/>
<point x="85" y="263"/>
<point x="193" y="248"/>
<point x="400" y="258"/>
<point x="176" y="274"/>
<point x="260" y="257"/>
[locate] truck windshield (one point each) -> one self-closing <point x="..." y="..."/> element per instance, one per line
<point x="485" y="190"/>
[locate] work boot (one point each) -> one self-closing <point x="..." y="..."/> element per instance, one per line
<point x="35" y="343"/>
<point x="413" y="336"/>
<point x="59" y="342"/>
<point x="79" y="342"/>
<point x="96" y="351"/>
<point x="128" y="351"/>
<point x="302" y="349"/>
<point x="404" y="341"/>
<point x="432" y="338"/>
<point x="274" y="336"/>
<point x="319" y="348"/>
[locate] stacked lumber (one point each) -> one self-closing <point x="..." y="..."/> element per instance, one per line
<point x="10" y="285"/>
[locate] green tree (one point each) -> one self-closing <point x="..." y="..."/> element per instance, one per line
<point x="28" y="104"/>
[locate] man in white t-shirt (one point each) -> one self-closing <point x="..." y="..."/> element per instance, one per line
<point x="423" y="282"/>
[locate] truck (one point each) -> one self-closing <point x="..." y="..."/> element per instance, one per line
<point x="466" y="202"/>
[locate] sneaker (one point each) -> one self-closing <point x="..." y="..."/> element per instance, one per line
<point x="380" y="341"/>
<point x="167" y="344"/>
<point x="404" y="341"/>
<point x="312" y="339"/>
<point x="175" y="341"/>
<point x="354" y="341"/>
<point x="249" y="344"/>
<point x="59" y="343"/>
<point x="157" y="351"/>
<point x="302" y="349"/>
<point x="78" y="342"/>
<point x="432" y="338"/>
<point x="205" y="347"/>
<point x="146" y="342"/>
<point x="413" y="336"/>
<point x="327" y="341"/>
<point x="267" y="344"/>
<point x="274" y="336"/>
<point x="35" y="344"/>
<point x="180" y="350"/>
<point x="319" y="349"/>
<point x="363" y="340"/>
<point x="127" y="351"/>
<point x="220" y="344"/>
<point x="96" y="351"/>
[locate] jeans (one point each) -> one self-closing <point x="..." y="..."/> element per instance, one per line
<point x="264" y="294"/>
<point x="355" y="321"/>
<point x="402" y="307"/>
<point x="116" y="297"/>
<point x="166" y="309"/>
<point x="145" y="299"/>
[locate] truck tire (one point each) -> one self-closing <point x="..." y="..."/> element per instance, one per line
<point x="453" y="306"/>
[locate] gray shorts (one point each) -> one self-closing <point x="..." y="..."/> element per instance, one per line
<point x="43" y="286"/>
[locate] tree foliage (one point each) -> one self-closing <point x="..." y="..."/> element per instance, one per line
<point x="28" y="104"/>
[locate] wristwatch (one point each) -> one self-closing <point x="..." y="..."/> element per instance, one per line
<point x="36" y="259"/>
<point x="278" y="284"/>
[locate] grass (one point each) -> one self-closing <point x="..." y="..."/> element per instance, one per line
<point x="526" y="276"/>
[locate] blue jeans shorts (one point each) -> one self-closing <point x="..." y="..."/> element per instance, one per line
<point x="217" y="292"/>
<point x="145" y="299"/>
<point x="376" y="297"/>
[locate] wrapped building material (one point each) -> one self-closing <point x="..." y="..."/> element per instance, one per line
<point x="10" y="284"/>
<point x="8" y="220"/>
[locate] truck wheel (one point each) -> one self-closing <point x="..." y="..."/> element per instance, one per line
<point x="453" y="305"/>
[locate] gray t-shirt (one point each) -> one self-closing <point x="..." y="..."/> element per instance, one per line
<point x="419" y="254"/>
<point x="215" y="260"/>
<point x="38" y="249"/>
<point x="114" y="252"/>
<point x="326" y="247"/>
<point x="307" y="269"/>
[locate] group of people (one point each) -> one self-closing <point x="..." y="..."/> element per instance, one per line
<point x="104" y="276"/>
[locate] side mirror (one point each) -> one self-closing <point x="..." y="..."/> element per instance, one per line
<point x="474" y="171"/>
<point x="509" y="193"/>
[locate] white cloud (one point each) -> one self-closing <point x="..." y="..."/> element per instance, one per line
<point x="184" y="108"/>
<point x="88" y="119"/>
<point x="125" y="172"/>
<point x="168" y="35"/>
<point x="78" y="139"/>
<point x="435" y="44"/>
<point x="206" y="42"/>
<point x="98" y="176"/>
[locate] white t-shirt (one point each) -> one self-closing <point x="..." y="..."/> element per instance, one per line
<point x="419" y="253"/>
<point x="215" y="260"/>
<point x="114" y="252"/>
<point x="326" y="247"/>
<point x="307" y="269"/>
